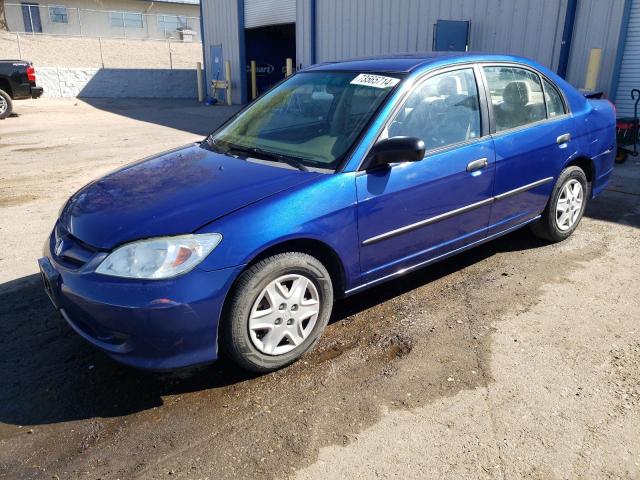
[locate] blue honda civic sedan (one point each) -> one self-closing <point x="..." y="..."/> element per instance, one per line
<point x="343" y="176"/>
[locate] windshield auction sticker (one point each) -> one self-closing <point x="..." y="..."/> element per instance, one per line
<point x="376" y="81"/>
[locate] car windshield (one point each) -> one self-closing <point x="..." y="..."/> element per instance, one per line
<point x="309" y="121"/>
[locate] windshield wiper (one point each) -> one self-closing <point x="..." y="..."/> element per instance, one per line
<point x="226" y="147"/>
<point x="266" y="155"/>
<point x="294" y="162"/>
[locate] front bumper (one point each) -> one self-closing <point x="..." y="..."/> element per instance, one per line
<point x="157" y="325"/>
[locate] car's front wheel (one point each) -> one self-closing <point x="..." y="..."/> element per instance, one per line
<point x="277" y="311"/>
<point x="565" y="207"/>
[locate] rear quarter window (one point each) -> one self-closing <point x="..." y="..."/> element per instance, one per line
<point x="555" y="105"/>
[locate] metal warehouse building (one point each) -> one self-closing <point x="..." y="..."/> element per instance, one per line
<point x="557" y="33"/>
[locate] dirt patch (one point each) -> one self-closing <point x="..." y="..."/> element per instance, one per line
<point x="395" y="345"/>
<point x="40" y="148"/>
<point x="624" y="376"/>
<point x="16" y="200"/>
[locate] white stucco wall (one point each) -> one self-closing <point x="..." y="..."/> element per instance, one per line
<point x="108" y="68"/>
<point x="117" y="82"/>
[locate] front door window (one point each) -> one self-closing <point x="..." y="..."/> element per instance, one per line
<point x="441" y="111"/>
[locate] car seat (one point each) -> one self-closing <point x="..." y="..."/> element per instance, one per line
<point x="515" y="109"/>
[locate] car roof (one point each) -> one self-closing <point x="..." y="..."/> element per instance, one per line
<point x="406" y="63"/>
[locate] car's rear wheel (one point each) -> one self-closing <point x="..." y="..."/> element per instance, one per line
<point x="565" y="207"/>
<point x="6" y="105"/>
<point x="277" y="311"/>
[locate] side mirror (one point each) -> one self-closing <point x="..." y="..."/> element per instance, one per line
<point x="395" y="150"/>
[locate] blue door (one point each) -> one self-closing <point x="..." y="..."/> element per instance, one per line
<point x="451" y="36"/>
<point x="409" y="213"/>
<point x="532" y="141"/>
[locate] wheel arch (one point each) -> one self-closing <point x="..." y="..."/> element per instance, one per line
<point x="311" y="246"/>
<point x="6" y="86"/>
<point x="587" y="165"/>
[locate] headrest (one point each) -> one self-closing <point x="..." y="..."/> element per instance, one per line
<point x="449" y="85"/>
<point x="517" y="94"/>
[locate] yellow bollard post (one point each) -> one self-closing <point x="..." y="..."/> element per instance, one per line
<point x="593" y="69"/>
<point x="254" y="84"/>
<point x="199" y="77"/>
<point x="289" y="67"/>
<point x="227" y="73"/>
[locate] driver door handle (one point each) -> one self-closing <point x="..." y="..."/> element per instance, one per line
<point x="477" y="165"/>
<point x="563" y="138"/>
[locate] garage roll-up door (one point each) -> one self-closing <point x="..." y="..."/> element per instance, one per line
<point x="630" y="68"/>
<point x="258" y="13"/>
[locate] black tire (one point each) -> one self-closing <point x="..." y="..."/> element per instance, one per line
<point x="546" y="227"/>
<point x="235" y="339"/>
<point x="9" y="105"/>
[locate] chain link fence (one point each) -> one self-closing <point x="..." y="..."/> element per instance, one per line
<point x="78" y="22"/>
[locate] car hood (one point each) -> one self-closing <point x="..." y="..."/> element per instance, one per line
<point x="170" y="194"/>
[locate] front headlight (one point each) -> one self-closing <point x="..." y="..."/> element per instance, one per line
<point x="158" y="258"/>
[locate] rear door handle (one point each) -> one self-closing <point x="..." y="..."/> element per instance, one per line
<point x="477" y="165"/>
<point x="563" y="138"/>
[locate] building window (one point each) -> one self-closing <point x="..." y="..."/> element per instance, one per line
<point x="58" y="14"/>
<point x="125" y="19"/>
<point x="170" y="23"/>
<point x="31" y="17"/>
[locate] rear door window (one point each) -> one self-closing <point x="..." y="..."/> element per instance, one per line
<point x="516" y="96"/>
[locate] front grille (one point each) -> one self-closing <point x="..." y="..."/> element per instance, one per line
<point x="70" y="251"/>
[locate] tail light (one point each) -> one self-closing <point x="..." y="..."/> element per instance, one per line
<point x="613" y="105"/>
<point x="31" y="73"/>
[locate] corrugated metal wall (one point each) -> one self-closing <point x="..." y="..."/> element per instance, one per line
<point x="597" y="26"/>
<point x="630" y="68"/>
<point x="304" y="32"/>
<point x="532" y="28"/>
<point x="351" y="28"/>
<point x="221" y="22"/>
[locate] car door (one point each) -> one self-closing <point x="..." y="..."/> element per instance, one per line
<point x="409" y="213"/>
<point x="532" y="139"/>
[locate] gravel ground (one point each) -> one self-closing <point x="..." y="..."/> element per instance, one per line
<point x="516" y="359"/>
